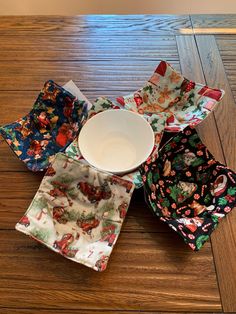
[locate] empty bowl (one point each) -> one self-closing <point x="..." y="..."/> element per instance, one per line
<point x="116" y="141"/>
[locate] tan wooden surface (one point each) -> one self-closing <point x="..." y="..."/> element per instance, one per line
<point x="151" y="270"/>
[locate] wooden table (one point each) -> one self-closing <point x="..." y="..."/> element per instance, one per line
<point x="151" y="270"/>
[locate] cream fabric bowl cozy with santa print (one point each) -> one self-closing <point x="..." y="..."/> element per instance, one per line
<point x="78" y="211"/>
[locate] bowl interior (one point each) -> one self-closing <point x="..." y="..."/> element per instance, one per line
<point x="117" y="141"/>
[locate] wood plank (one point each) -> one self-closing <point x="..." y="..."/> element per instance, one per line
<point x="19" y="185"/>
<point x="8" y="160"/>
<point x="226" y="46"/>
<point x="94" y="25"/>
<point x="119" y="54"/>
<point x="20" y="48"/>
<point x="168" y="277"/>
<point x="95" y="67"/>
<point x="227" y="49"/>
<point x="54" y="311"/>
<point x="87" y="55"/>
<point x="191" y="67"/>
<point x="225" y="115"/>
<point x="108" y="75"/>
<point x="74" y="42"/>
<point x="214" y="23"/>
<point x="48" y="311"/>
<point x="15" y="105"/>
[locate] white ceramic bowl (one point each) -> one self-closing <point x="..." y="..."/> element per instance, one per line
<point x="117" y="141"/>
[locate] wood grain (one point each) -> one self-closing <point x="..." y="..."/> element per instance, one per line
<point x="103" y="76"/>
<point x="18" y="48"/>
<point x="49" y="311"/>
<point x="95" y="25"/>
<point x="225" y="114"/>
<point x="48" y="280"/>
<point x="191" y="67"/>
<point x="20" y="185"/>
<point x="214" y="24"/>
<point x="227" y="49"/>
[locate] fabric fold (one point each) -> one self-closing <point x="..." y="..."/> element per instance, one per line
<point x="187" y="102"/>
<point x="51" y="125"/>
<point x="78" y="211"/>
<point x="188" y="189"/>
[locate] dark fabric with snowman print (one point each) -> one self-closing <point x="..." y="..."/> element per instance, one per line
<point x="188" y="189"/>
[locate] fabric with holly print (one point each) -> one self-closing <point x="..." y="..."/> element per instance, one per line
<point x="48" y="128"/>
<point x="78" y="211"/>
<point x="157" y="122"/>
<point x="188" y="189"/>
<point x="187" y="102"/>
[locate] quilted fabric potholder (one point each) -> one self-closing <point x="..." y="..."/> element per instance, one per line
<point x="168" y="91"/>
<point x="188" y="189"/>
<point x="48" y="128"/>
<point x="78" y="211"/>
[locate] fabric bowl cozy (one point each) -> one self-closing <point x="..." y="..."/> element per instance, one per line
<point x="187" y="102"/>
<point x="78" y="211"/>
<point x="188" y="189"/>
<point x="48" y="128"/>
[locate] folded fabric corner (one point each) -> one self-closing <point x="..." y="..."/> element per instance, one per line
<point x="188" y="189"/>
<point x="78" y="212"/>
<point x="75" y="91"/>
<point x="48" y="128"/>
<point x="168" y="91"/>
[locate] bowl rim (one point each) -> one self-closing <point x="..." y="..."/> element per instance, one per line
<point x="124" y="170"/>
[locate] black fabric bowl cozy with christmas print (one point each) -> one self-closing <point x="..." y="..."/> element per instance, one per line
<point x="187" y="188"/>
